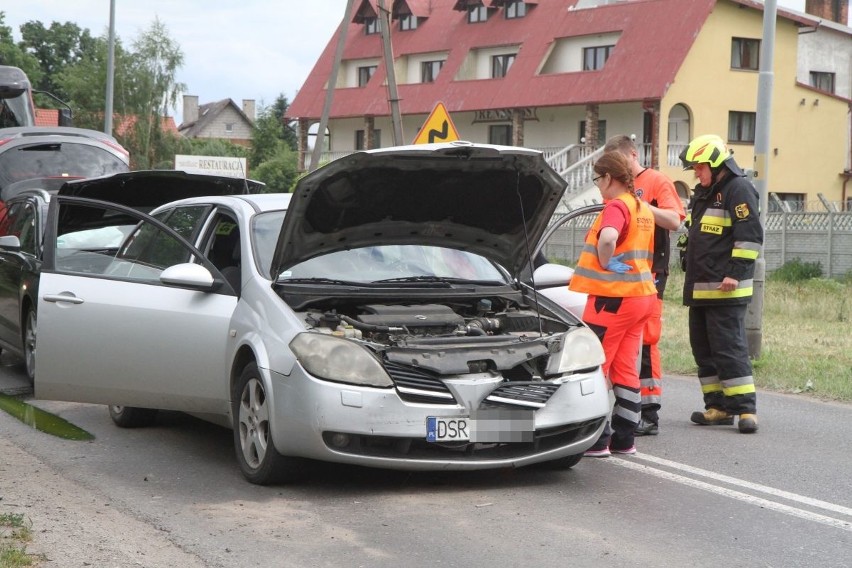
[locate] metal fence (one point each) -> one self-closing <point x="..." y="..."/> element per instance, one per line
<point x="825" y="238"/>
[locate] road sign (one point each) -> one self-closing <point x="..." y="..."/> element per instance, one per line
<point x="438" y="127"/>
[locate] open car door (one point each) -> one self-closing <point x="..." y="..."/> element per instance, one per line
<point x="130" y="313"/>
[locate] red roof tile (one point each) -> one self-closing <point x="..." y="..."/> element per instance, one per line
<point x="46" y="117"/>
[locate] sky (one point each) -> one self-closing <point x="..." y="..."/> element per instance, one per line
<point x="248" y="49"/>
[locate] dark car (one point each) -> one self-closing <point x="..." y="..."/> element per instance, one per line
<point x="46" y="157"/>
<point x="22" y="229"/>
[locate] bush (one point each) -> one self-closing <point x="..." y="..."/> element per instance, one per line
<point x="797" y="271"/>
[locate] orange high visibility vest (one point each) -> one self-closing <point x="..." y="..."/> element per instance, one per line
<point x="638" y="250"/>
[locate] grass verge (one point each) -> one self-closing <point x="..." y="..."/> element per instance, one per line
<point x="15" y="533"/>
<point x="806" y="344"/>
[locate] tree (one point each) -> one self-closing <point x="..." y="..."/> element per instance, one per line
<point x="56" y="48"/>
<point x="272" y="159"/>
<point x="12" y="54"/>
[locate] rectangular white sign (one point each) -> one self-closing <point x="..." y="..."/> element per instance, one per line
<point x="214" y="165"/>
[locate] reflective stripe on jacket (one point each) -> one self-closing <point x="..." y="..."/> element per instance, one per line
<point x="637" y="249"/>
<point x="725" y="238"/>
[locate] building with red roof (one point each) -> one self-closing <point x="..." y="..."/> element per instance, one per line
<point x="563" y="75"/>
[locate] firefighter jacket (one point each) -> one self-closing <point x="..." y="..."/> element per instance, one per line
<point x="725" y="238"/>
<point x="637" y="249"/>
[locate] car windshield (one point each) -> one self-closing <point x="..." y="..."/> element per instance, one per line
<point x="389" y="263"/>
<point x="57" y="159"/>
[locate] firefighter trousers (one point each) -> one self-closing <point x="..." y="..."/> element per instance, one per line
<point x="618" y="323"/>
<point x="720" y="348"/>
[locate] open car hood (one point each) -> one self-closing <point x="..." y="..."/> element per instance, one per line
<point x="494" y="201"/>
<point x="147" y="189"/>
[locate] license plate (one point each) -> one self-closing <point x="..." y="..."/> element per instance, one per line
<point x="445" y="429"/>
<point x="487" y="426"/>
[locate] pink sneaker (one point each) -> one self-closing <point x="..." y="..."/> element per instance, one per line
<point x="628" y="451"/>
<point x="602" y="453"/>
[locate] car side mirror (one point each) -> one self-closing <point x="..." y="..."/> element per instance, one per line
<point x="550" y="275"/>
<point x="188" y="275"/>
<point x="10" y="243"/>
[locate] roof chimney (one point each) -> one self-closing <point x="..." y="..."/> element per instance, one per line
<point x="190" y="108"/>
<point x="248" y="108"/>
<point x="834" y="10"/>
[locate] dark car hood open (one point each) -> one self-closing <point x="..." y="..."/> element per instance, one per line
<point x="147" y="189"/>
<point x="494" y="201"/>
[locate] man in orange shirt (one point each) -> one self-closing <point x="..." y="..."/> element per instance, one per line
<point x="659" y="193"/>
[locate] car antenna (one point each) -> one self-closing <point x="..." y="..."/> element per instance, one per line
<point x="527" y="244"/>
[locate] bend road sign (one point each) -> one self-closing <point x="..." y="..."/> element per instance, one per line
<point x="438" y="127"/>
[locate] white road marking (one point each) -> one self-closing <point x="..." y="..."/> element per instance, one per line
<point x="629" y="463"/>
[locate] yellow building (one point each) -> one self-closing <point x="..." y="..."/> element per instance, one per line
<point x="563" y="75"/>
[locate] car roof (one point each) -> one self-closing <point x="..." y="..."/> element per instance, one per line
<point x="259" y="202"/>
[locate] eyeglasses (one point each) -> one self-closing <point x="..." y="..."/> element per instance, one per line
<point x="595" y="179"/>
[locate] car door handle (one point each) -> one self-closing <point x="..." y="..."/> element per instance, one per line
<point x="67" y="298"/>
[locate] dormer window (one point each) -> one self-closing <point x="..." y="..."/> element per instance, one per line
<point x="515" y="9"/>
<point x="476" y="14"/>
<point x="408" y="22"/>
<point x="371" y="26"/>
<point x="594" y="58"/>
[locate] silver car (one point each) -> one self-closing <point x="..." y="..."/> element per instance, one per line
<point x="380" y="322"/>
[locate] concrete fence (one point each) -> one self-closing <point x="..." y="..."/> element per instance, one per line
<point x="810" y="237"/>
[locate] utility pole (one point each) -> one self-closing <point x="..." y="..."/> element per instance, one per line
<point x="332" y="84"/>
<point x="110" y="70"/>
<point x="393" y="96"/>
<point x="766" y="78"/>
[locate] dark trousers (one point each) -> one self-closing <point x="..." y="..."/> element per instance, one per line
<point x="720" y="348"/>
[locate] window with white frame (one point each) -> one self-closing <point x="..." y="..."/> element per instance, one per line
<point x="822" y="80"/>
<point x="407" y="22"/>
<point x="594" y="58"/>
<point x="429" y="70"/>
<point x="515" y="9"/>
<point x="745" y="53"/>
<point x="476" y="14"/>
<point x="365" y="74"/>
<point x="500" y="64"/>
<point x="371" y="26"/>
<point x="741" y="126"/>
<point x="229" y="127"/>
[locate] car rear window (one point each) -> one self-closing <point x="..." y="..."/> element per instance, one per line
<point x="57" y="159"/>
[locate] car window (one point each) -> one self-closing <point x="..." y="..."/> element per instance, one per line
<point x="372" y="264"/>
<point x="57" y="159"/>
<point x="142" y="255"/>
<point x="222" y="245"/>
<point x="185" y="221"/>
<point x="265" y="229"/>
<point x="20" y="221"/>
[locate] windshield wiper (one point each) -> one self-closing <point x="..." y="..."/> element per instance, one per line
<point x="439" y="280"/>
<point x="318" y="281"/>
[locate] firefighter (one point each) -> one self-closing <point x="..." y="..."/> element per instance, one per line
<point x="724" y="239"/>
<point x="614" y="269"/>
<point x="658" y="191"/>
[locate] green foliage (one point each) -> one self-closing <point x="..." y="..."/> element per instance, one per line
<point x="12" y="54"/>
<point x="15" y="531"/>
<point x="56" y="48"/>
<point x="796" y="271"/>
<point x="279" y="173"/>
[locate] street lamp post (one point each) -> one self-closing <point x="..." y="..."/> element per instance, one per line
<point x="110" y="70"/>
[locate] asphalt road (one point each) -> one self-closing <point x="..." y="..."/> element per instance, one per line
<point x="692" y="496"/>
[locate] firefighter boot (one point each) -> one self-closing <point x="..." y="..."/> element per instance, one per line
<point x="714" y="417"/>
<point x="747" y="423"/>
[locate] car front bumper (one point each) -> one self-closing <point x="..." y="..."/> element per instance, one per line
<point x="374" y="427"/>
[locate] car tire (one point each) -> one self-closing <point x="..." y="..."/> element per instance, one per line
<point x="563" y="463"/>
<point x="259" y="461"/>
<point x="132" y="417"/>
<point x="30" y="329"/>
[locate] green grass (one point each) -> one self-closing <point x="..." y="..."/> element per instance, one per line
<point x="15" y="533"/>
<point x="806" y="344"/>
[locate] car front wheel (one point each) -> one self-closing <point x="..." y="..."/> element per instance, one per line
<point x="259" y="461"/>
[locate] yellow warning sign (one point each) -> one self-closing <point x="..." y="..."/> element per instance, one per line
<point x="438" y="127"/>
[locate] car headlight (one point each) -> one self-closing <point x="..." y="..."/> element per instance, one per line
<point x="581" y="349"/>
<point x="339" y="360"/>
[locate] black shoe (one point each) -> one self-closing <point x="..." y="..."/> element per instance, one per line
<point x="646" y="428"/>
